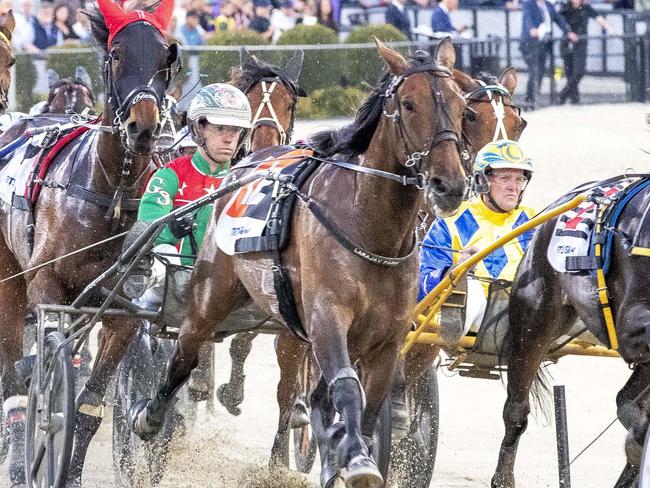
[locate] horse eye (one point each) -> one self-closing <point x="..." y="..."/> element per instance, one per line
<point x="469" y="115"/>
<point x="408" y="106"/>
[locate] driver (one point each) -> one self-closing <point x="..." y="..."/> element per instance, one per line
<point x="501" y="174"/>
<point x="219" y="119"/>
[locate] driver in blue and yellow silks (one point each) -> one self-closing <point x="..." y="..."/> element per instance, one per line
<point x="501" y="174"/>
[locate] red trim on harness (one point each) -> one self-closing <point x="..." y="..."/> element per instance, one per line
<point x="49" y="157"/>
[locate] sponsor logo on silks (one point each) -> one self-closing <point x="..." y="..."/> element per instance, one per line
<point x="565" y="249"/>
<point x="10" y="180"/>
<point x="238" y="231"/>
<point x="375" y="259"/>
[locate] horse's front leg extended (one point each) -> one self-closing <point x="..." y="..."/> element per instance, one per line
<point x="329" y="344"/>
<point x="115" y="339"/>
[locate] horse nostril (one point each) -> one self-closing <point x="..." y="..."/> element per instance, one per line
<point x="132" y="128"/>
<point x="439" y="186"/>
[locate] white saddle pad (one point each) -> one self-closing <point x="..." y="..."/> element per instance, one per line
<point x="16" y="174"/>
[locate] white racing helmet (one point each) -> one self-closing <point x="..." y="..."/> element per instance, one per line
<point x="218" y="104"/>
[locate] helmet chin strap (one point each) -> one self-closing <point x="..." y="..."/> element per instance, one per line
<point x="497" y="206"/>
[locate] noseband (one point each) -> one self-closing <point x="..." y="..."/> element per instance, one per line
<point x="445" y="130"/>
<point x="268" y="85"/>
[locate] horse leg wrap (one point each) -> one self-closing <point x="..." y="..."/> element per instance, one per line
<point x="90" y="411"/>
<point x="348" y="373"/>
<point x="15" y="414"/>
<point x="630" y="414"/>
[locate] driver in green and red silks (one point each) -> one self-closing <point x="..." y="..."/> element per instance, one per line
<point x="219" y="119"/>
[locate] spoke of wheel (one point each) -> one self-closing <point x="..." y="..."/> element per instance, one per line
<point x="50" y="460"/>
<point x="38" y="461"/>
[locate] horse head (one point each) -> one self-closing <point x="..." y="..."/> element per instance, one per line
<point x="425" y="109"/>
<point x="273" y="93"/>
<point x="7" y="59"/>
<point x="137" y="69"/>
<point x="70" y="95"/>
<point x="490" y="113"/>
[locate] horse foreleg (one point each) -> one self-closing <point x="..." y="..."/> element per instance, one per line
<point x="322" y="416"/>
<point x="378" y="373"/>
<point x="231" y="394"/>
<point x="14" y="393"/>
<point x="290" y="353"/>
<point x="330" y="350"/>
<point x="116" y="336"/>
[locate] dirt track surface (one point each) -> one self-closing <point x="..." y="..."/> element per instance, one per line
<point x="568" y="145"/>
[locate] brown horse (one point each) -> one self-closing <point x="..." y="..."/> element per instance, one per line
<point x="70" y="96"/>
<point x="352" y="306"/>
<point x="480" y="126"/>
<point x="7" y="59"/>
<point x="98" y="171"/>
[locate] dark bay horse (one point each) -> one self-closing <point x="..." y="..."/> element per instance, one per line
<point x="544" y="304"/>
<point x="70" y="95"/>
<point x="93" y="182"/>
<point x="353" y="309"/>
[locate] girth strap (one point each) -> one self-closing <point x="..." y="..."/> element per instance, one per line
<point x="100" y="199"/>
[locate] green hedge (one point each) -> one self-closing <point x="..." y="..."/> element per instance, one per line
<point x="320" y="69"/>
<point x="25" y="81"/>
<point x="216" y="65"/>
<point x="364" y="66"/>
<point x="333" y="101"/>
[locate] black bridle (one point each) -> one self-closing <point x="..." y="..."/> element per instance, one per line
<point x="444" y="131"/>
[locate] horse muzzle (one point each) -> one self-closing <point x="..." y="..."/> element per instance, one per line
<point x="142" y="127"/>
<point x="444" y="196"/>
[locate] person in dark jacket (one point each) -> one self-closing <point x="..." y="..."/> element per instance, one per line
<point x="46" y="34"/>
<point x="440" y="19"/>
<point x="396" y="15"/>
<point x="577" y="14"/>
<point x="536" y="43"/>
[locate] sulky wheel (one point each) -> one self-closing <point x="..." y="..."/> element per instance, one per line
<point x="50" y="415"/>
<point x="413" y="458"/>
<point x="137" y="377"/>
<point x="644" y="469"/>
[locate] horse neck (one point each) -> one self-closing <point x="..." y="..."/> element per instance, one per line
<point x="389" y="209"/>
<point x="111" y="155"/>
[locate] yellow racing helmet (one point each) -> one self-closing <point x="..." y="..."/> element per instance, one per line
<point x="499" y="154"/>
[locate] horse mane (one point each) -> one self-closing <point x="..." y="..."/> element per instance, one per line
<point x="488" y="78"/>
<point x="354" y="139"/>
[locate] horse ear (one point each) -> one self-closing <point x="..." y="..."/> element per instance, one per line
<point x="246" y="58"/>
<point x="8" y="22"/>
<point x="293" y="67"/>
<point x="465" y="82"/>
<point x="395" y="63"/>
<point x="164" y="13"/>
<point x="52" y="78"/>
<point x="82" y="76"/>
<point x="445" y="53"/>
<point x="509" y="80"/>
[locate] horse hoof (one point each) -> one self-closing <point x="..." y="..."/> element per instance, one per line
<point x="362" y="472"/>
<point x="501" y="481"/>
<point x="228" y="400"/>
<point x="139" y="422"/>
<point x="299" y="415"/>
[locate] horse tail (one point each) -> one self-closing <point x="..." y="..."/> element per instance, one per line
<point x="540" y="395"/>
<point x="540" y="391"/>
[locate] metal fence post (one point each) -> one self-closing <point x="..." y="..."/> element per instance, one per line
<point x="508" y="35"/>
<point x="562" y="436"/>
